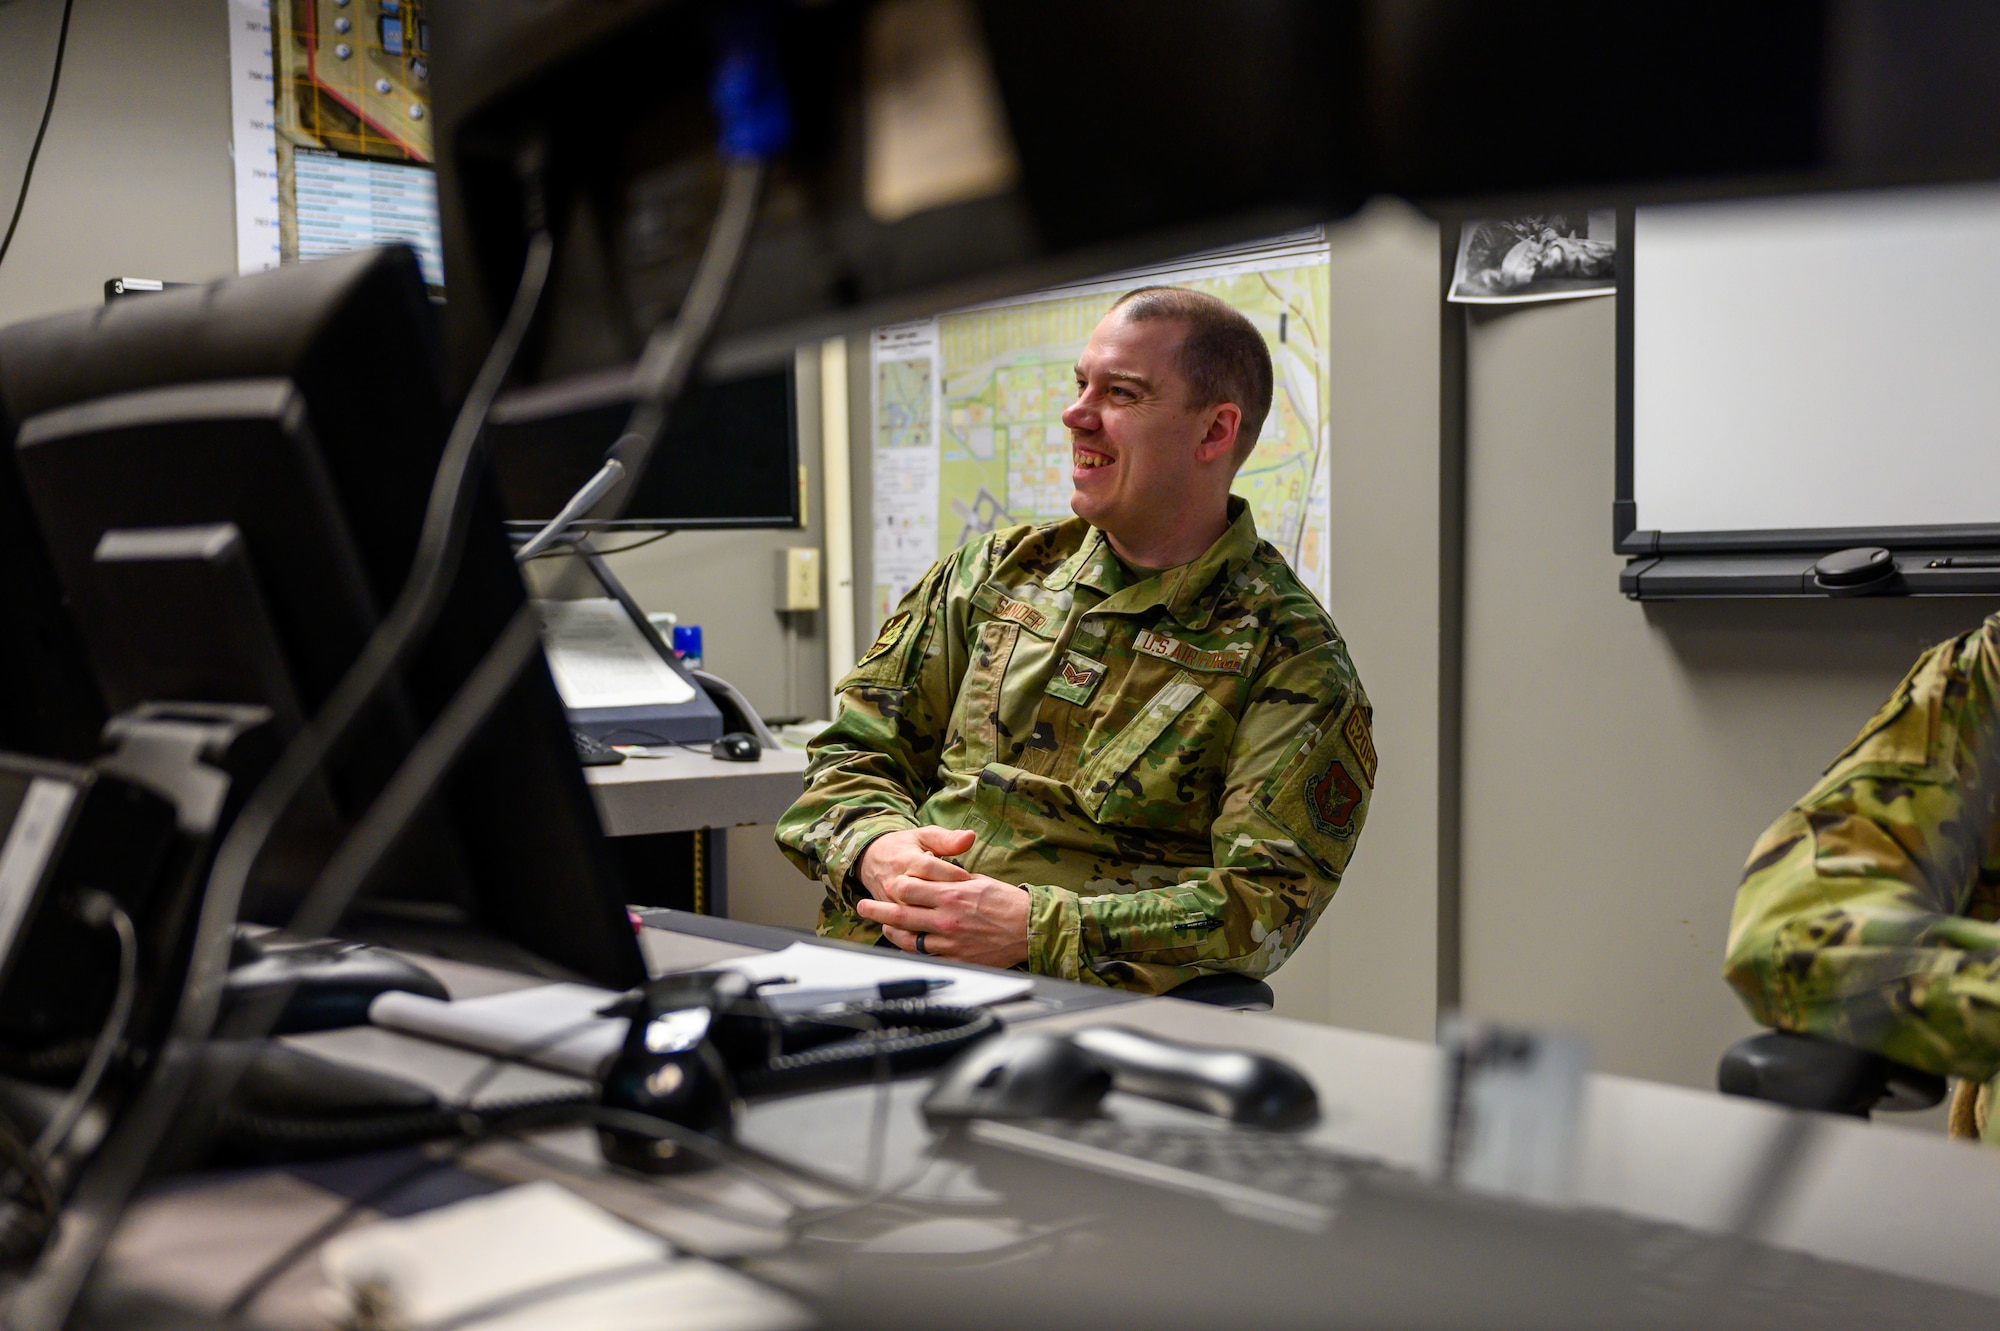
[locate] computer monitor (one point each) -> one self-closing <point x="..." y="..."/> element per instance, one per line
<point x="729" y="456"/>
<point x="304" y="408"/>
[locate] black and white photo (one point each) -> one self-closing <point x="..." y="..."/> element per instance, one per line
<point x="1540" y="256"/>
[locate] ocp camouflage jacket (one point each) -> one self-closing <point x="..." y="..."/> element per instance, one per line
<point x="1866" y="913"/>
<point x="1176" y="770"/>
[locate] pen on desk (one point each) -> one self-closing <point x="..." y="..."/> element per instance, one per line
<point x="801" y="1000"/>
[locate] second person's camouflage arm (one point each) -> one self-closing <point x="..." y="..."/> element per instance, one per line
<point x="871" y="770"/>
<point x="1302" y="766"/>
<point x="1865" y="914"/>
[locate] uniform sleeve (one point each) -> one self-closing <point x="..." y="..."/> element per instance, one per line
<point x="1301" y="769"/>
<point x="871" y="770"/>
<point x="1865" y="913"/>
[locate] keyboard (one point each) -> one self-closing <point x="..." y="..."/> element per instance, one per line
<point x="1648" y="1273"/>
<point x="1281" y="1175"/>
<point x="593" y="752"/>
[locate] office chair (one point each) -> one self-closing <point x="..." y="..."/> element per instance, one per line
<point x="1225" y="989"/>
<point x="1805" y="1072"/>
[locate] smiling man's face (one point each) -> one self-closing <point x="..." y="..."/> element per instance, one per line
<point x="1143" y="461"/>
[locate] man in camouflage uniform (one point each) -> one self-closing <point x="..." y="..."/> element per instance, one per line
<point x="1128" y="748"/>
<point x="1867" y="912"/>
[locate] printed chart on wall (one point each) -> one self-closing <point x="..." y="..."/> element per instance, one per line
<point x="332" y="130"/>
<point x="968" y="407"/>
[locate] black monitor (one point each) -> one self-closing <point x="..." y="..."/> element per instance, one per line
<point x="729" y="456"/>
<point x="258" y="452"/>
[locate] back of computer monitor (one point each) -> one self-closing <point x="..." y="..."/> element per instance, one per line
<point x="729" y="456"/>
<point x="352" y="339"/>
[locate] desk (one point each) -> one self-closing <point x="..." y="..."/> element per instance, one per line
<point x="682" y="790"/>
<point x="1874" y="1197"/>
<point x="686" y="790"/>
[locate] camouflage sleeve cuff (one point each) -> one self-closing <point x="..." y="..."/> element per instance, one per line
<point x="1055" y="933"/>
<point x="842" y="855"/>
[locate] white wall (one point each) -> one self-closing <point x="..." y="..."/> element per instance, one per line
<point x="134" y="177"/>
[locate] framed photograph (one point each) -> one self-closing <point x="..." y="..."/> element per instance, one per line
<point x="1542" y="256"/>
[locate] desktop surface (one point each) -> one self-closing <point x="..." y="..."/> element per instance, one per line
<point x="1880" y="1226"/>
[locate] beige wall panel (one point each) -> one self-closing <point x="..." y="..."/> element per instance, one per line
<point x="1370" y="963"/>
<point x="1620" y="758"/>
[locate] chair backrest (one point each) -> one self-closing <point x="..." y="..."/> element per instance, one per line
<point x="1223" y="989"/>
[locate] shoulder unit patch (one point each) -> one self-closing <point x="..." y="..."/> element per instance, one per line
<point x="1331" y="799"/>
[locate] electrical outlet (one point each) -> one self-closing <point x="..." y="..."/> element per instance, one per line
<point x="798" y="578"/>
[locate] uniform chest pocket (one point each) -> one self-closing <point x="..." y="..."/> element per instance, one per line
<point x="1164" y="768"/>
<point x="976" y="722"/>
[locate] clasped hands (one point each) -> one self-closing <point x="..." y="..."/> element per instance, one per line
<point x="913" y="890"/>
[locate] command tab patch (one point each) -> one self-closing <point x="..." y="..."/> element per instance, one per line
<point x="1362" y="740"/>
<point x="1076" y="678"/>
<point x="1228" y="660"/>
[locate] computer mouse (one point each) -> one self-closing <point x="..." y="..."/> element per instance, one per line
<point x="1019" y="1074"/>
<point x="737" y="747"/>
<point x="1250" y="1089"/>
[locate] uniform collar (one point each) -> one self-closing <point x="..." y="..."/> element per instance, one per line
<point x="1093" y="565"/>
<point x="1187" y="592"/>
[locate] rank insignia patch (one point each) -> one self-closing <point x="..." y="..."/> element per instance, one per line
<point x="1076" y="678"/>
<point x="1331" y="799"/>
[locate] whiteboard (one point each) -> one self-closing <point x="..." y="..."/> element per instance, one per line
<point x="1831" y="361"/>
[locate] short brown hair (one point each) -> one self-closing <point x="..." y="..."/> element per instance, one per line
<point x="1223" y="356"/>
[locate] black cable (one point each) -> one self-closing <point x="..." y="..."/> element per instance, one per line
<point x="476" y="1125"/>
<point x="616" y="550"/>
<point x="43" y="1303"/>
<point x="663" y="371"/>
<point x="95" y="907"/>
<point x="48" y="109"/>
<point x="889" y="1046"/>
<point x="440" y="545"/>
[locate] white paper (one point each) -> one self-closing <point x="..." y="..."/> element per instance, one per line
<point x="817" y="967"/>
<point x="600" y="659"/>
<point x="552" y="1026"/>
<point x="906" y="499"/>
<point x="908" y="403"/>
<point x="253" y="134"/>
<point x="351" y="203"/>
